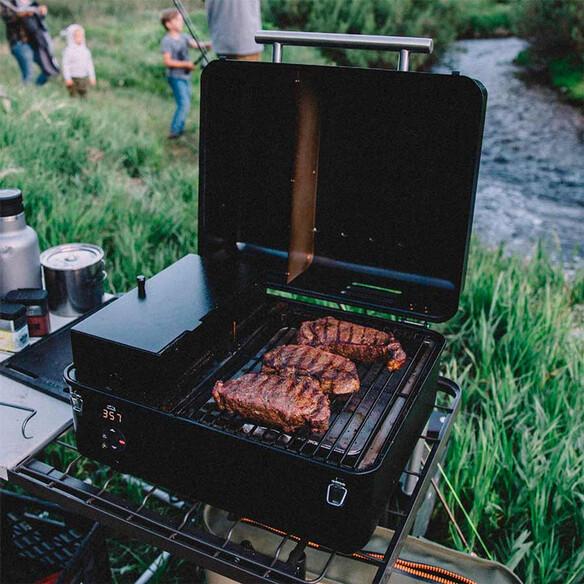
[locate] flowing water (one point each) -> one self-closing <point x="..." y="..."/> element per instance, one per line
<point x="531" y="183"/>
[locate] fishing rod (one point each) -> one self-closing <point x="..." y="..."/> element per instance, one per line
<point x="180" y="7"/>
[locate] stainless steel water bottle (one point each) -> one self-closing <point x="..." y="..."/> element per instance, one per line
<point x="20" y="264"/>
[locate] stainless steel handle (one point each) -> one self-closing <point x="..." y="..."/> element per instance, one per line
<point x="403" y="45"/>
<point x="96" y="279"/>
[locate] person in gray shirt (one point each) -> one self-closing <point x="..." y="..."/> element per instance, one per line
<point x="233" y="24"/>
<point x="175" y="50"/>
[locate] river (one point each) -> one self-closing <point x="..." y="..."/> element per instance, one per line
<point x="531" y="183"/>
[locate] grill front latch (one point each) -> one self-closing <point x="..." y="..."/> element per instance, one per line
<point x="336" y="493"/>
<point x="76" y="402"/>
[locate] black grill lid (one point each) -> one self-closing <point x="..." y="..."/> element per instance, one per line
<point x="351" y="185"/>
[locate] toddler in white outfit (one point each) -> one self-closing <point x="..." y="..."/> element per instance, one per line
<point x="77" y="65"/>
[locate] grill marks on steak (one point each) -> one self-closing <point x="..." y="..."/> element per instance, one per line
<point x="289" y="393"/>
<point x="352" y="340"/>
<point x="286" y="402"/>
<point x="336" y="374"/>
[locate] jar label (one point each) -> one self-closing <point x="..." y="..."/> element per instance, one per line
<point x="13" y="341"/>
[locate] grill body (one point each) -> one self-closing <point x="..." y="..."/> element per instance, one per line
<point x="330" y="489"/>
<point x="349" y="188"/>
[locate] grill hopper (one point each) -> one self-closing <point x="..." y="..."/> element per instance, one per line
<point x="395" y="159"/>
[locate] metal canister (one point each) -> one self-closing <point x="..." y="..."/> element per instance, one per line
<point x="74" y="277"/>
<point x="20" y="266"/>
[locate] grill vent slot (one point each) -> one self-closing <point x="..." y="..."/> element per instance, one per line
<point x="371" y="294"/>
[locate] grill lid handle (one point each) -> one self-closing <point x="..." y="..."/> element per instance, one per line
<point x="403" y="45"/>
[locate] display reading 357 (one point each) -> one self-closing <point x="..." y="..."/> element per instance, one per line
<point x="113" y="416"/>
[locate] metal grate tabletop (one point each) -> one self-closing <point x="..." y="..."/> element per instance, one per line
<point x="177" y="525"/>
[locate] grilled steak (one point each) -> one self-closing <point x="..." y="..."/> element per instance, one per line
<point x="335" y="374"/>
<point x="352" y="340"/>
<point x="275" y="400"/>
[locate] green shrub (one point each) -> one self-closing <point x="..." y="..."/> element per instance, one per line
<point x="486" y="18"/>
<point x="568" y="75"/>
<point x="287" y="14"/>
<point x="438" y="19"/>
<point x="555" y="28"/>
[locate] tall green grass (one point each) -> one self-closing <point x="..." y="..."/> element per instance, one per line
<point x="517" y="454"/>
<point x="103" y="172"/>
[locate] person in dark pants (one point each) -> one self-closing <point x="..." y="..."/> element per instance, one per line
<point x="17" y="35"/>
<point x="175" y="49"/>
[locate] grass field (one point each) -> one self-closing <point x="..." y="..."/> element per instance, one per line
<point x="103" y="172"/>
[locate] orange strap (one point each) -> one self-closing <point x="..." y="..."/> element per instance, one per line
<point x="434" y="573"/>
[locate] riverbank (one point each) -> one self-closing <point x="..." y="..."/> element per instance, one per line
<point x="103" y="171"/>
<point x="486" y="19"/>
<point x="562" y="73"/>
<point x="531" y="184"/>
<point x="555" y="31"/>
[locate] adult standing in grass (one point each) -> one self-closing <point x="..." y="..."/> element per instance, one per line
<point x="175" y="50"/>
<point x="233" y="24"/>
<point x="18" y="36"/>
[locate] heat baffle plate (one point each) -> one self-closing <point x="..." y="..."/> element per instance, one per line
<point x="171" y="523"/>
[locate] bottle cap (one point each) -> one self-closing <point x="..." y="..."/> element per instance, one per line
<point x="10" y="202"/>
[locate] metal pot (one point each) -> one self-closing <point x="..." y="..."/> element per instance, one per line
<point x="74" y="277"/>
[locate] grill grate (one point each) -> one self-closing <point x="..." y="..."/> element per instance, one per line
<point x="355" y="418"/>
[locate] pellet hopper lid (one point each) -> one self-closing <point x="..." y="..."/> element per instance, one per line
<point x="351" y="185"/>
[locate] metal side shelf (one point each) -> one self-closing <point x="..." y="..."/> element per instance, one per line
<point x="167" y="521"/>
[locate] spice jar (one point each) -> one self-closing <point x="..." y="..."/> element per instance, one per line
<point x="37" y="309"/>
<point x="13" y="327"/>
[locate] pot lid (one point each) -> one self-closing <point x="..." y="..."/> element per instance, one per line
<point x="71" y="256"/>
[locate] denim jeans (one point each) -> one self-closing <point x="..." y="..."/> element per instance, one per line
<point x="26" y="57"/>
<point x="182" y="95"/>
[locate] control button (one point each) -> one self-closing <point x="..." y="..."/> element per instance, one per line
<point x="113" y="440"/>
<point x="336" y="493"/>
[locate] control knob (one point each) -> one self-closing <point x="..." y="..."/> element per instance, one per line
<point x="113" y="439"/>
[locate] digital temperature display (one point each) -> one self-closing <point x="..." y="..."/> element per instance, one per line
<point x="112" y="416"/>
